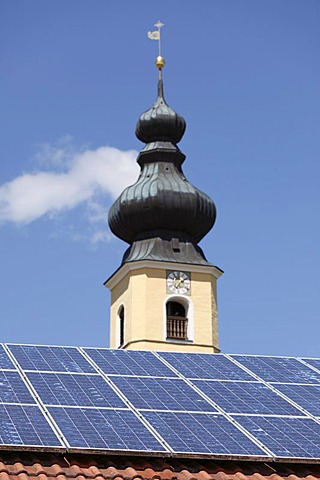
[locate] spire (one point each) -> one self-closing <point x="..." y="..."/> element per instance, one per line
<point x="162" y="216"/>
<point x="160" y="122"/>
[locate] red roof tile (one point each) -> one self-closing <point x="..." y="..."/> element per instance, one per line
<point x="45" y="466"/>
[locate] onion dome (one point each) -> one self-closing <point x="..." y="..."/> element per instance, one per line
<point x="162" y="216"/>
<point x="162" y="200"/>
<point x="160" y="122"/>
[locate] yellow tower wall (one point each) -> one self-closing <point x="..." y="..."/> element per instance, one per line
<point x="141" y="288"/>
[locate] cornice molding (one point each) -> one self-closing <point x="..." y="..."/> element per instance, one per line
<point x="126" y="268"/>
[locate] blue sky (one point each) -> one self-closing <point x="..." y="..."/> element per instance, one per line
<point x="75" y="76"/>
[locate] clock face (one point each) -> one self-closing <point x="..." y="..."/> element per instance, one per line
<point x="178" y="282"/>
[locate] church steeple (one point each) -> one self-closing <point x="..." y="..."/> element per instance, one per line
<point x="162" y="216"/>
<point x="163" y="296"/>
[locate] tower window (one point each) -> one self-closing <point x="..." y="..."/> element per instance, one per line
<point x="175" y="244"/>
<point x="177" y="322"/>
<point x="121" y="326"/>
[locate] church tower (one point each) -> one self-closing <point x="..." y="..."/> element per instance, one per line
<point x="164" y="294"/>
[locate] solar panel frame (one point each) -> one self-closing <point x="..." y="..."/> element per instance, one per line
<point x="132" y="363"/>
<point x="98" y="429"/>
<point x="13" y="389"/>
<point x="306" y="396"/>
<point x="302" y="434"/>
<point x="278" y="369"/>
<point x="313" y="362"/>
<point x="246" y="397"/>
<point x="200" y="440"/>
<point x="50" y="358"/>
<point x="205" y="366"/>
<point x="86" y="390"/>
<point x="5" y="361"/>
<point x="162" y="394"/>
<point x="26" y="425"/>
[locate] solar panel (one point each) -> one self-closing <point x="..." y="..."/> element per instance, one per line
<point x="197" y="365"/>
<point x="314" y="362"/>
<point x="129" y="362"/>
<point x="285" y="436"/>
<point x="5" y="362"/>
<point x="70" y="389"/>
<point x="201" y="433"/>
<point x="246" y="397"/>
<point x="279" y="369"/>
<point x="25" y="425"/>
<point x="307" y="396"/>
<point x="161" y="394"/>
<point x="13" y="389"/>
<point x="158" y="403"/>
<point x="104" y="429"/>
<point x="57" y="359"/>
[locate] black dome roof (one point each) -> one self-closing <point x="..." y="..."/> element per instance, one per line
<point x="161" y="200"/>
<point x="162" y="208"/>
<point x="160" y="122"/>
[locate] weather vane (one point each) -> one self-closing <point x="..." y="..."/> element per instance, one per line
<point x="156" y="35"/>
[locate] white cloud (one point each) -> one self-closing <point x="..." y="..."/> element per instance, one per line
<point x="68" y="178"/>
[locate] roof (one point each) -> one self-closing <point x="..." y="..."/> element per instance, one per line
<point x="162" y="216"/>
<point x="27" y="466"/>
<point x="165" y="404"/>
<point x="17" y="463"/>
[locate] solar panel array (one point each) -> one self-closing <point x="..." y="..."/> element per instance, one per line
<point x="175" y="404"/>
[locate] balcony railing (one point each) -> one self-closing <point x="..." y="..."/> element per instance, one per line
<point x="177" y="328"/>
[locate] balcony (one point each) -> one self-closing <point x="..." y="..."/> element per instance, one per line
<point x="177" y="328"/>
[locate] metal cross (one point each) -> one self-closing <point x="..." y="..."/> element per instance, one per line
<point x="159" y="25"/>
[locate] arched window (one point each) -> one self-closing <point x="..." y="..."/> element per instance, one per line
<point x="121" y="326"/>
<point x="177" y="321"/>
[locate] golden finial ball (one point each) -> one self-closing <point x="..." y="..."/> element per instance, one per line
<point x="160" y="62"/>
